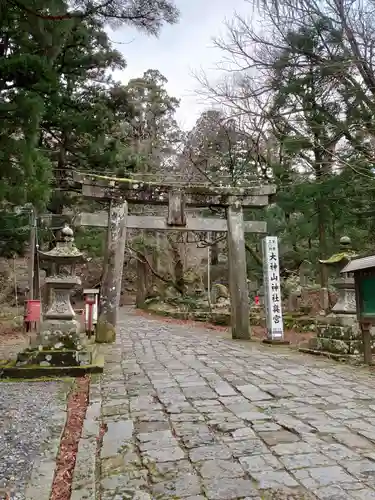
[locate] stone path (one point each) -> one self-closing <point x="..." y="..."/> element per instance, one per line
<point x="191" y="415"/>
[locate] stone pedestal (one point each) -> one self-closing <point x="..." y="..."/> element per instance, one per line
<point x="53" y="333"/>
<point x="60" y="325"/>
<point x="339" y="334"/>
<point x="346" y="303"/>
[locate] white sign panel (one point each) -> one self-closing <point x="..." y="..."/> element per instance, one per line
<point x="272" y="290"/>
<point x="94" y="312"/>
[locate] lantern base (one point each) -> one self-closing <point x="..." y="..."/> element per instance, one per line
<point x="32" y="363"/>
<point x="59" y="334"/>
<point x="60" y="357"/>
<point x="340" y="335"/>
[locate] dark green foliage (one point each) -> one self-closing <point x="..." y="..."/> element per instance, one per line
<point x="59" y="108"/>
<point x="303" y="92"/>
<point x="14" y="233"/>
<point x="91" y="241"/>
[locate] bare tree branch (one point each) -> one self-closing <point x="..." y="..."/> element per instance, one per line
<point x="142" y="258"/>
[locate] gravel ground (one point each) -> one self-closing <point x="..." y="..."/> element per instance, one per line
<point x="29" y="412"/>
<point x="12" y="344"/>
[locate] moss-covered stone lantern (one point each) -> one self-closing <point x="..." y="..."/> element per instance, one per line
<point x="344" y="284"/>
<point x="59" y="348"/>
<point x="60" y="325"/>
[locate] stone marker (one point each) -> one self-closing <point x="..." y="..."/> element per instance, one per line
<point x="272" y="290"/>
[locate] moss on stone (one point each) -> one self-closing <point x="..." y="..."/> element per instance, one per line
<point x="299" y="324"/>
<point x="339" y="257"/>
<point x="334" y="345"/>
<point x="65" y="379"/>
<point x="12" y="371"/>
<point x="338" y="339"/>
<point x="219" y="291"/>
<point x="45" y="372"/>
<point x="105" y="332"/>
<point x="56" y="357"/>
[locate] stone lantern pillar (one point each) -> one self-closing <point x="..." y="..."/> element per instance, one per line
<point x="345" y="283"/>
<point x="339" y="332"/>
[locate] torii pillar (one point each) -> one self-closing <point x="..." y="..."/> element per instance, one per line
<point x="110" y="290"/>
<point x="239" y="296"/>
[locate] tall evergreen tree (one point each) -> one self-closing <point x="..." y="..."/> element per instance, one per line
<point x="56" y="98"/>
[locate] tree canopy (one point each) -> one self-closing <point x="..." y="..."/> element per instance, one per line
<point x="295" y="106"/>
<point x="60" y="108"/>
<point x="299" y="84"/>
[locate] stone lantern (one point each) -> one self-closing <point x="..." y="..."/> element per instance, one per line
<point x="59" y="348"/>
<point x="345" y="283"/>
<point x="60" y="324"/>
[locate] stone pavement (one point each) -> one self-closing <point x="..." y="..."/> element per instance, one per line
<point x="192" y="415"/>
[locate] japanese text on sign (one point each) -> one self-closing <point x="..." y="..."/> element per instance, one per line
<point x="272" y="291"/>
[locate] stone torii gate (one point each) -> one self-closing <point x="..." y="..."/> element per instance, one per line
<point x="121" y="192"/>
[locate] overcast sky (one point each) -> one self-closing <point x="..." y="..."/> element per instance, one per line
<point x="180" y="50"/>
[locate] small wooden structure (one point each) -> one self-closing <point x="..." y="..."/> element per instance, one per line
<point x="364" y="280"/>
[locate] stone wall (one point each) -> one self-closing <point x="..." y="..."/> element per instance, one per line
<point x="339" y="336"/>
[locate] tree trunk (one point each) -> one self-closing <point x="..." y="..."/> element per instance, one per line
<point x="214" y="254"/>
<point x="178" y="267"/>
<point x="333" y="229"/>
<point x="323" y="271"/>
<point x="141" y="284"/>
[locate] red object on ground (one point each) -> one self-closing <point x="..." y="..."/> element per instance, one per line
<point x="32" y="311"/>
<point x="256" y="300"/>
